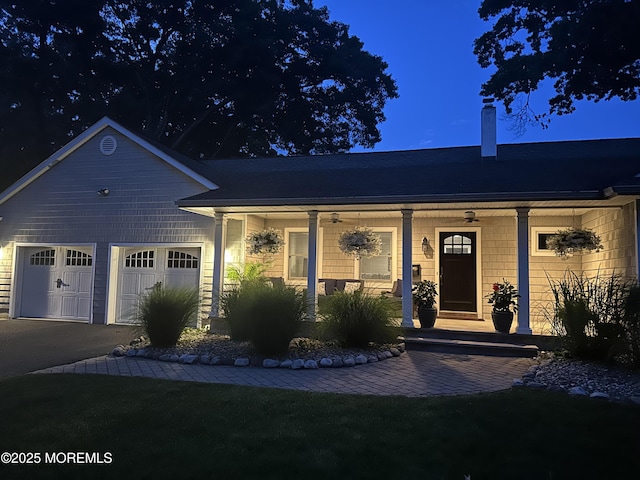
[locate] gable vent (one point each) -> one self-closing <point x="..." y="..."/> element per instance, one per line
<point x="108" y="144"/>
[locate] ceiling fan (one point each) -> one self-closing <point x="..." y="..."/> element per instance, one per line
<point x="470" y="216"/>
<point x="335" y="218"/>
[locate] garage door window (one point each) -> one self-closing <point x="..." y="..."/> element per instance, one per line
<point x="43" y="258"/>
<point x="144" y="259"/>
<point x="181" y="260"/>
<point x="78" y="259"/>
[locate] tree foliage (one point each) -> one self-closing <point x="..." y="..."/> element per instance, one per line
<point x="209" y="78"/>
<point x="591" y="48"/>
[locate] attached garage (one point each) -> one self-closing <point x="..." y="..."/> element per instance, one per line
<point x="141" y="268"/>
<point x="91" y="228"/>
<point x="55" y="282"/>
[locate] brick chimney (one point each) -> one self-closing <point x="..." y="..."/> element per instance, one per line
<point x="488" y="145"/>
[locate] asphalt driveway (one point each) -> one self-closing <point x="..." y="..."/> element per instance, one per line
<point x="28" y="345"/>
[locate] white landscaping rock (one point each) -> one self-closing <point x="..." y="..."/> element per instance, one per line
<point x="349" y="361"/>
<point x="578" y="391"/>
<point x="286" y="363"/>
<point x="326" y="362"/>
<point x="361" y="359"/>
<point x="311" y="364"/>
<point x="270" y="363"/>
<point x="241" y="362"/>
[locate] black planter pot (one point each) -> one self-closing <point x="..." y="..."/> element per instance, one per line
<point x="502" y="321"/>
<point x="427" y="316"/>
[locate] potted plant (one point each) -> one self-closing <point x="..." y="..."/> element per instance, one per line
<point x="360" y="242"/>
<point x="424" y="297"/>
<point x="265" y="242"/>
<point x="503" y="298"/>
<point x="573" y="240"/>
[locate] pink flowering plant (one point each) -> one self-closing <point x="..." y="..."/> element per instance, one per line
<point x="503" y="296"/>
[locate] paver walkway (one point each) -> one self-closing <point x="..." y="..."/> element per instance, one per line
<point x="413" y="374"/>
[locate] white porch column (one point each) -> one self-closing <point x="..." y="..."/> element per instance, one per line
<point x="219" y="240"/>
<point x="523" y="271"/>
<point x="407" y="274"/>
<point x="312" y="266"/>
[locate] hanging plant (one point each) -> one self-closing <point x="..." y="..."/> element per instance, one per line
<point x="360" y="242"/>
<point x="265" y="242"/>
<point x="567" y="242"/>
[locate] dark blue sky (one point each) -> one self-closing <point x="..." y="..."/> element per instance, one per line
<point x="428" y="45"/>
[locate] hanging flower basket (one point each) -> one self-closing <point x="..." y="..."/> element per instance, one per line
<point x="565" y="243"/>
<point x="361" y="242"/>
<point x="265" y="242"/>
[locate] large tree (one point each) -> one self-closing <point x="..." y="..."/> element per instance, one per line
<point x="209" y="78"/>
<point x="590" y="48"/>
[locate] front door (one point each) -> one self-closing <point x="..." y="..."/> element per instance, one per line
<point x="458" y="271"/>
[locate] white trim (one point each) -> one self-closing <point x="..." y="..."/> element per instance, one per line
<point x="533" y="240"/>
<point x="478" y="231"/>
<point x="15" y="297"/>
<point x="113" y="271"/>
<point x="285" y="260"/>
<point x="83" y="138"/>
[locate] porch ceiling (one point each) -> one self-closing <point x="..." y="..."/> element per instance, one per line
<point x="484" y="209"/>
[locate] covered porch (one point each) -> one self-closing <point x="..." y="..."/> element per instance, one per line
<point x="464" y="247"/>
<point x="416" y="200"/>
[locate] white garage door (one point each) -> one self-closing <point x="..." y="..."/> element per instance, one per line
<point x="57" y="283"/>
<point x="142" y="268"/>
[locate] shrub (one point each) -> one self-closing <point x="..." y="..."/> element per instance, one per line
<point x="631" y="322"/>
<point x="236" y="306"/>
<point x="588" y="314"/>
<point x="356" y="319"/>
<point x="248" y="272"/>
<point x="163" y="313"/>
<point x="237" y="303"/>
<point x="278" y="313"/>
<point x="267" y="316"/>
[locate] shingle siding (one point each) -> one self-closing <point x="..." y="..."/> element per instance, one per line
<point x="63" y="207"/>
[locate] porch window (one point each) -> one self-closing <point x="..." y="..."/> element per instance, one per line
<point x="379" y="267"/>
<point x="298" y="255"/>
<point x="539" y="236"/>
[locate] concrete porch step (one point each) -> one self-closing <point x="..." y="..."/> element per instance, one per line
<point x="478" y="343"/>
<point x="470" y="347"/>
<point x="544" y="342"/>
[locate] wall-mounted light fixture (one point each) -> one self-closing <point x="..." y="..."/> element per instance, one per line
<point x="103" y="192"/>
<point x="427" y="249"/>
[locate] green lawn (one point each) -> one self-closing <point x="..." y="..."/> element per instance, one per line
<point x="160" y="429"/>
